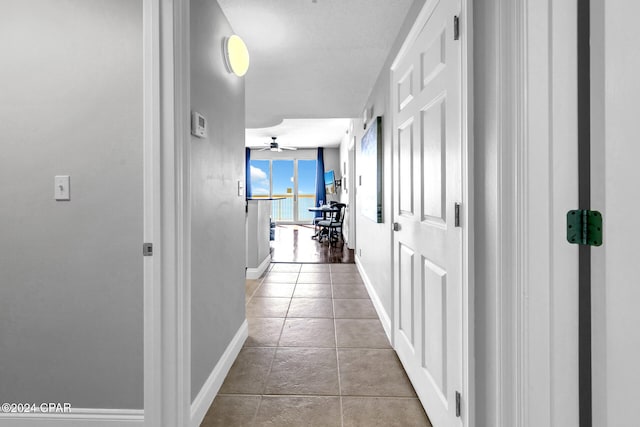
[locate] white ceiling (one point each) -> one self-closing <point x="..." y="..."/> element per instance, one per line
<point x="300" y="133"/>
<point x="311" y="60"/>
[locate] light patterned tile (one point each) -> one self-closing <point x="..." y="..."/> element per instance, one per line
<point x="304" y="371"/>
<point x="314" y="278"/>
<point x="285" y="268"/>
<point x="267" y="307"/>
<point x="311" y="307"/>
<point x="357" y="366"/>
<point x="308" y="333"/>
<point x="277" y="290"/>
<point x="229" y="410"/>
<point x="354" y="309"/>
<point x="249" y="372"/>
<point x="307" y="411"/>
<point x="264" y="332"/>
<point x="383" y="412"/>
<point x="361" y="333"/>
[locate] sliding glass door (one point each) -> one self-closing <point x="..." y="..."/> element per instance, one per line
<point x="293" y="181"/>
<point x="283" y="186"/>
<point x="306" y="189"/>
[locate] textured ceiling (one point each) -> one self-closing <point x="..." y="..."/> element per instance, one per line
<point x="312" y="59"/>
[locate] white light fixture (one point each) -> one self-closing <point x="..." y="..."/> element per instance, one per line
<point x="236" y="55"/>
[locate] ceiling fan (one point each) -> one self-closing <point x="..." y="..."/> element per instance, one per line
<point x="274" y="146"/>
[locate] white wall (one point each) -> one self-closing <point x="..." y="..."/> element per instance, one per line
<point x="71" y="272"/>
<point x="615" y="60"/>
<point x="217" y="212"/>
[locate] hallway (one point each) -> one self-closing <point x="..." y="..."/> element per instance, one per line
<point x="316" y="355"/>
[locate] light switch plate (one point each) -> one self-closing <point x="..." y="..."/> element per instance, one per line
<point x="240" y="188"/>
<point x="62" y="189"/>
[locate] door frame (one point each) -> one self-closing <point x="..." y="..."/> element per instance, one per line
<point x="466" y="170"/>
<point x="351" y="196"/>
<point x="536" y="270"/>
<point x="167" y="216"/>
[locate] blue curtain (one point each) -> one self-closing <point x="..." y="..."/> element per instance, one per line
<point x="247" y="177"/>
<point x="320" y="192"/>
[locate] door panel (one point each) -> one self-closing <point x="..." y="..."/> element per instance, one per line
<point x="406" y="257"/>
<point x="433" y="161"/>
<point x="405" y="153"/>
<point x="405" y="89"/>
<point x="433" y="59"/>
<point x="435" y="327"/>
<point x="427" y="162"/>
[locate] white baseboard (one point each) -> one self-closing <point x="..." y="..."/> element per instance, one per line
<point x="375" y="299"/>
<point x="210" y="389"/>
<point x="78" y="417"/>
<point x="254" y="273"/>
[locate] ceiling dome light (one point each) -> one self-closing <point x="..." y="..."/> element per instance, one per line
<point x="236" y="55"/>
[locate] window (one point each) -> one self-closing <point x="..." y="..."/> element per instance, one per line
<point x="260" y="178"/>
<point x="291" y="180"/>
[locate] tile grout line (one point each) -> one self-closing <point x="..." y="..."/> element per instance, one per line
<point x="254" y="420"/>
<point x="255" y="414"/>
<point x="264" y="390"/>
<point x="335" y="332"/>
<point x="360" y="396"/>
<point x="275" y="352"/>
<point x="260" y="282"/>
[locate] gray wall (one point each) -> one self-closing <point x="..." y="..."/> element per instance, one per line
<point x="373" y="240"/>
<point x="217" y="212"/>
<point x="71" y="286"/>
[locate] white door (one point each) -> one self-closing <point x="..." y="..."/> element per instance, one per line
<point x="426" y="101"/>
<point x="615" y="151"/>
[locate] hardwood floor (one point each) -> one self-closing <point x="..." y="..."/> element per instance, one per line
<point x="293" y="243"/>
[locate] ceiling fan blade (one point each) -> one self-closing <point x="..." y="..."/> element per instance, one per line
<point x="264" y="149"/>
<point x="289" y="148"/>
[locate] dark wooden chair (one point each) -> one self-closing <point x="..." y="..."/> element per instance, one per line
<point x="331" y="228"/>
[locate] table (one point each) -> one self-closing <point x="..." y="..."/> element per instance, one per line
<point x="325" y="209"/>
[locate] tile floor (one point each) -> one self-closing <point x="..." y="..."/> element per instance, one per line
<point x="316" y="356"/>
